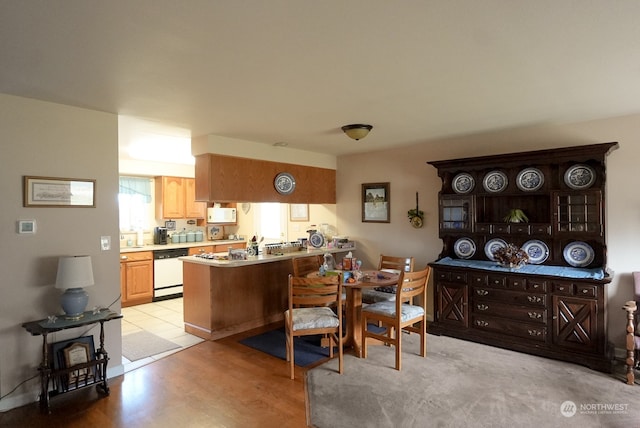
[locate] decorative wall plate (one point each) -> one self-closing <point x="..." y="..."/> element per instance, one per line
<point x="578" y="254"/>
<point x="464" y="248"/>
<point x="491" y="246"/>
<point x="580" y="177"/>
<point x="537" y="251"/>
<point x="495" y="181"/>
<point x="530" y="179"/>
<point x="463" y="183"/>
<point x="284" y="183"/>
<point x="316" y="240"/>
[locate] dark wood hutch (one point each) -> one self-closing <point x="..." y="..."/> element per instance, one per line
<point x="555" y="306"/>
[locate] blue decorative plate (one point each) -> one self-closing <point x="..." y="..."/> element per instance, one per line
<point x="491" y="246"/>
<point x="495" y="181"/>
<point x="316" y="240"/>
<point x="530" y="179"/>
<point x="580" y="177"/>
<point x="578" y="254"/>
<point x="464" y="248"/>
<point x="537" y="251"/>
<point x="463" y="183"/>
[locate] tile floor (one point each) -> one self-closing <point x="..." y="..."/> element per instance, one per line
<point x="164" y="319"/>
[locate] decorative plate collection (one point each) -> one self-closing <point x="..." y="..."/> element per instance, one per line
<point x="578" y="254"/>
<point x="580" y="177"/>
<point x="491" y="246"/>
<point x="463" y="183"/>
<point x="495" y="181"/>
<point x="530" y="179"/>
<point x="537" y="251"/>
<point x="577" y="177"/>
<point x="464" y="248"/>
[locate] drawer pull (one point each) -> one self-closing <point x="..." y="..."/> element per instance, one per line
<point x="534" y="332"/>
<point x="560" y="288"/>
<point x="458" y="277"/>
<point x="482" y="292"/>
<point x="496" y="281"/>
<point x="534" y="299"/>
<point x="585" y="291"/>
<point x="482" y="307"/>
<point x="534" y="315"/>
<point x="482" y="323"/>
<point x="123" y="257"/>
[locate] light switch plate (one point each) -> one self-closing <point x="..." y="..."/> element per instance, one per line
<point x="26" y="227"/>
<point x="105" y="243"/>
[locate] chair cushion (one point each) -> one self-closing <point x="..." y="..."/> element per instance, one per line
<point x="374" y="295"/>
<point x="309" y="318"/>
<point x="389" y="309"/>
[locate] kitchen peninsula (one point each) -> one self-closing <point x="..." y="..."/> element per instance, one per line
<point x="225" y="297"/>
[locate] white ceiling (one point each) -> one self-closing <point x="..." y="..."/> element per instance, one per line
<point x="295" y="71"/>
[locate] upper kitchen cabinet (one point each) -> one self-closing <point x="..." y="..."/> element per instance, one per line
<point x="228" y="179"/>
<point x="175" y="198"/>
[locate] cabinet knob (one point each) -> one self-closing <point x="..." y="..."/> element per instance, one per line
<point x="123" y="257"/>
<point x="585" y="291"/>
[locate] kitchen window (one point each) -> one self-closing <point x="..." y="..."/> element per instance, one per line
<point x="135" y="203"/>
<point x="271" y="221"/>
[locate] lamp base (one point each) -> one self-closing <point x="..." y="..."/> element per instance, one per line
<point x="74" y="302"/>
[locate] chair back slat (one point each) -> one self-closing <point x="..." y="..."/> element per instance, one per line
<point x="322" y="291"/>
<point x="411" y="284"/>
<point x="302" y="266"/>
<point x="400" y="264"/>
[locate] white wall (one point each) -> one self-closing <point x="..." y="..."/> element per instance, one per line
<point x="407" y="171"/>
<point x="53" y="140"/>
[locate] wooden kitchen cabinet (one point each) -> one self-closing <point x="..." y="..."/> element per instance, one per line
<point x="175" y="198"/>
<point x="136" y="278"/>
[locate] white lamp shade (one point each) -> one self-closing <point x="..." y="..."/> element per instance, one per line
<point x="74" y="272"/>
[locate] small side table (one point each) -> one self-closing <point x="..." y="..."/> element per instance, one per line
<point x="47" y="373"/>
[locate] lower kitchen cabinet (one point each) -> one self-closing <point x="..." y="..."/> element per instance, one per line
<point x="136" y="278"/>
<point x="541" y="315"/>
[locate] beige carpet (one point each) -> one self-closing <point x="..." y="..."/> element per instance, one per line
<point x="464" y="384"/>
<point x="142" y="344"/>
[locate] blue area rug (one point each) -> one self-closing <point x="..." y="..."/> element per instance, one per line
<point x="306" y="349"/>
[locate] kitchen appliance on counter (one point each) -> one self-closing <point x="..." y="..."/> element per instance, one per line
<point x="160" y="236"/>
<point x="167" y="273"/>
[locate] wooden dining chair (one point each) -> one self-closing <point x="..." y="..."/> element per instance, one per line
<point x="387" y="264"/>
<point x="310" y="312"/>
<point x="302" y="266"/>
<point x="401" y="314"/>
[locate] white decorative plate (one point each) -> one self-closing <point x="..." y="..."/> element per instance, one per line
<point x="537" y="251"/>
<point x="464" y="248"/>
<point x="530" y="179"/>
<point x="578" y="254"/>
<point x="491" y="246"/>
<point x="463" y="183"/>
<point x="495" y="181"/>
<point x="580" y="177"/>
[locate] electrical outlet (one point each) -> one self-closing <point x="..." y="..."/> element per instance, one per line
<point x="105" y="243"/>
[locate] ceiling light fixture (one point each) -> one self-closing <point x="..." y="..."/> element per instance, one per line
<point x="357" y="131"/>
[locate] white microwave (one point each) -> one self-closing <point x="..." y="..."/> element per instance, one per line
<point x="221" y="215"/>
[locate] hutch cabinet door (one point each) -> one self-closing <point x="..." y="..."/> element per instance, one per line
<point x="579" y="213"/>
<point x="453" y="307"/>
<point x="456" y="213"/>
<point x="575" y="323"/>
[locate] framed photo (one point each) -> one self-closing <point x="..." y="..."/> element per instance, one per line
<point x="59" y="192"/>
<point x="376" y="203"/>
<point x="69" y="353"/>
<point x="299" y="212"/>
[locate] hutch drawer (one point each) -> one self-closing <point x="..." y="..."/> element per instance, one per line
<point x="535" y="332"/>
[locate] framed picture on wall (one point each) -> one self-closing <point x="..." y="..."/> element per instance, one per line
<point x="58" y="192"/>
<point x="376" y="203"/>
<point x="299" y="212"/>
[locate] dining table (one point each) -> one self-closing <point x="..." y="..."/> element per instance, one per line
<point x="353" y="306"/>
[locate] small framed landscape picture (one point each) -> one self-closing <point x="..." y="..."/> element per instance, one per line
<point x="376" y="203"/>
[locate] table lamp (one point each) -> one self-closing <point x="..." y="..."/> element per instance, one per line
<point x="74" y="272"/>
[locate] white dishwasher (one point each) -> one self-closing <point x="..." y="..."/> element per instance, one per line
<point x="167" y="273"/>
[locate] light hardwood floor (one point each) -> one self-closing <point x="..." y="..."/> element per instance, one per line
<point x="211" y="384"/>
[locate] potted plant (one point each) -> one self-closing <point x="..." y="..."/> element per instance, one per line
<point x="515" y="215"/>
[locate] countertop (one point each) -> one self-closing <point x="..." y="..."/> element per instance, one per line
<point x="152" y="247"/>
<point x="262" y="258"/>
